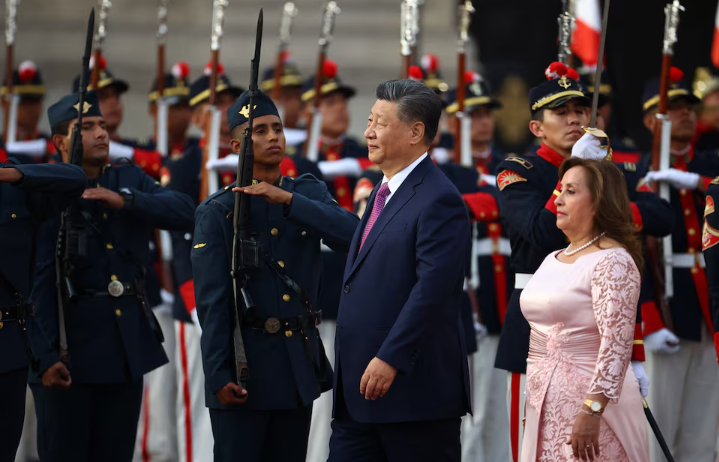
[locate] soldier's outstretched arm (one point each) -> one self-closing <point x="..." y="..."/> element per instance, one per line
<point x="161" y="207"/>
<point x="529" y="212"/>
<point x="652" y="214"/>
<point x="332" y="223"/>
<point x="62" y="181"/>
<point x="211" y="251"/>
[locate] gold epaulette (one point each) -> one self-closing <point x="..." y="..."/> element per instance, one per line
<point x="523" y="162"/>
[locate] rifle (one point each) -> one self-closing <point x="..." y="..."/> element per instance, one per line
<point x="463" y="143"/>
<point x="660" y="269"/>
<point x="211" y="149"/>
<point x="104" y="6"/>
<point x="162" y="237"/>
<point x="10" y="100"/>
<point x="288" y="14"/>
<point x="71" y="241"/>
<point x="246" y="252"/>
<point x="566" y="26"/>
<point x="311" y="149"/>
<point x="408" y="34"/>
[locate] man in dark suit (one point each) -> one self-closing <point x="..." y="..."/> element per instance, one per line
<point x="400" y="339"/>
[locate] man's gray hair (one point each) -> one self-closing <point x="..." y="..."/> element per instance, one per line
<point x="416" y="102"/>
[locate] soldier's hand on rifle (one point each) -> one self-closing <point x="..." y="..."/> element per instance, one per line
<point x="232" y="394"/>
<point x="57" y="377"/>
<point x="676" y="178"/>
<point x="109" y="199"/>
<point x="270" y="193"/>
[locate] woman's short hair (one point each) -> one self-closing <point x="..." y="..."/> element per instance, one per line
<point x="612" y="208"/>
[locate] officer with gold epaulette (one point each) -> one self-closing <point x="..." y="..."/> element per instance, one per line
<point x="88" y="384"/>
<point x="288" y="367"/>
<point x="710" y="239"/>
<point x="30" y="145"/>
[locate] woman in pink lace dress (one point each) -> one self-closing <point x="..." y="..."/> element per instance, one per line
<point x="583" y="400"/>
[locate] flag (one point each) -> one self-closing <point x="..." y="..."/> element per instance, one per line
<point x="587" y="33"/>
<point x="715" y="44"/>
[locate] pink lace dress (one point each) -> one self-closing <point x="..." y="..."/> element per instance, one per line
<point x="582" y="317"/>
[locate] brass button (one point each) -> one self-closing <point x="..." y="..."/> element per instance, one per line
<point x="694" y="270"/>
<point x="118" y="313"/>
<point x="341" y="192"/>
<point x="304" y="233"/>
<point x="143" y="164"/>
<point x="113" y="278"/>
<point x="104" y="216"/>
<point x="687" y="212"/>
<point x="498" y="268"/>
<point x="683" y="192"/>
<point x="692" y="231"/>
<point x="286" y="297"/>
<point x="13" y="215"/>
<point x="109" y="246"/>
<point x="493" y="227"/>
<point x="288" y="333"/>
<point x="1" y="324"/>
<point x="274" y="232"/>
<point x="281" y="263"/>
<point x="481" y="214"/>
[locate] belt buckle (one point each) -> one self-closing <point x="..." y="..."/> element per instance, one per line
<point x="272" y="325"/>
<point x="116" y="288"/>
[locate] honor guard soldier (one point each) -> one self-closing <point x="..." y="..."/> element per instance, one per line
<point x="682" y="362"/>
<point x="270" y="419"/>
<point x="528" y="187"/>
<point x="109" y="92"/>
<point x="28" y="194"/>
<point x="710" y="239"/>
<point x="431" y="76"/>
<point x="490" y="278"/>
<point x="30" y="146"/>
<point x="92" y="359"/>
<point x="161" y="433"/>
<point x="290" y="98"/>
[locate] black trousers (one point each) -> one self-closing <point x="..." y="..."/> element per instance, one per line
<point x="261" y="436"/>
<point x="13" y="385"/>
<point x="87" y="423"/>
<point x="424" y="441"/>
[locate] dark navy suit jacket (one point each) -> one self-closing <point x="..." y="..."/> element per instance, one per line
<point x="401" y="303"/>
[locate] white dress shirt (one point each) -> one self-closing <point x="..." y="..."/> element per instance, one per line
<point x="399" y="177"/>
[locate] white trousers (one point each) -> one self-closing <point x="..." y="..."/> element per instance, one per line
<point x="484" y="434"/>
<point x="27" y="449"/>
<point x="194" y="431"/>
<point x="515" y="410"/>
<point x="684" y="398"/>
<point x="318" y="449"/>
<point x="156" y="432"/>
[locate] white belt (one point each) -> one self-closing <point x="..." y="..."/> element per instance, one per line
<point x="484" y="247"/>
<point x="687" y="260"/>
<point x="521" y="280"/>
<point x="325" y="248"/>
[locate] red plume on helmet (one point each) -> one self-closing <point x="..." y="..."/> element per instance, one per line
<point x="181" y="70"/>
<point x="329" y="69"/>
<point x="572" y="74"/>
<point x="103" y="62"/>
<point x="430" y="63"/>
<point x="675" y="74"/>
<point x="555" y="70"/>
<point x="27" y="70"/>
<point x="415" y="73"/>
<point x="220" y="68"/>
<point x="471" y="77"/>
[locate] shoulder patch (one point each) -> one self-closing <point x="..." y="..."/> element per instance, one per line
<point x="523" y="162"/>
<point x="199" y="246"/>
<point x="507" y="177"/>
<point x="710" y="236"/>
<point x="715" y="181"/>
<point x="709" y="208"/>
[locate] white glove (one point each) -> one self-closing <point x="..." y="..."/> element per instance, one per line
<point x="196" y="320"/>
<point x="589" y="147"/>
<point x="642" y="378"/>
<point x="118" y="150"/>
<point x="226" y="164"/>
<point x="34" y="148"/>
<point x="480" y="330"/>
<point x="331" y="169"/>
<point x="489" y="179"/>
<point x="676" y="178"/>
<point x="661" y="341"/>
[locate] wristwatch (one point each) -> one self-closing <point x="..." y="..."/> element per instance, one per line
<point x="595" y="406"/>
<point x="128" y="196"/>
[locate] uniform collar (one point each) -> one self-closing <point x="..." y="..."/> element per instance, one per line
<point x="550" y="155"/>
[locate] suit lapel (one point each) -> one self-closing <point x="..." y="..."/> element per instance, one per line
<point x="398" y="200"/>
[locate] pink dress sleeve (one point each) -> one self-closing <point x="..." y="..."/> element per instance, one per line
<point x="615" y="292"/>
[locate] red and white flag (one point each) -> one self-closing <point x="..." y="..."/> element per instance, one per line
<point x="715" y="44"/>
<point x="587" y="33"/>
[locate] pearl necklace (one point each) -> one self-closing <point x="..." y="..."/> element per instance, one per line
<point x="582" y="247"/>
